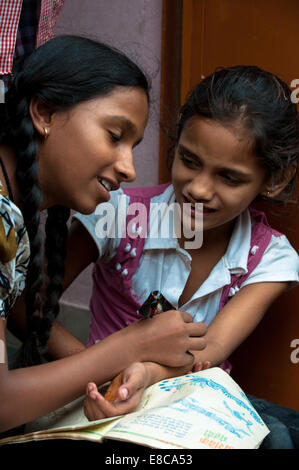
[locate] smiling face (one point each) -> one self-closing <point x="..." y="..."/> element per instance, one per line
<point x="215" y="166"/>
<point x="88" y="150"/>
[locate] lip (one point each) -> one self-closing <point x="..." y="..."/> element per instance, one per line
<point x="113" y="183"/>
<point x="206" y="210"/>
<point x="104" y="193"/>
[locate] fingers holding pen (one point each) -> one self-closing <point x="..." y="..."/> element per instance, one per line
<point x="123" y="395"/>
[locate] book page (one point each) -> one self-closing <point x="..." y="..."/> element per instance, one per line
<point x="202" y="410"/>
<point x="206" y="409"/>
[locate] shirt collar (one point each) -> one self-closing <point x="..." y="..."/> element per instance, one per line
<point x="155" y="239"/>
<point x="236" y="256"/>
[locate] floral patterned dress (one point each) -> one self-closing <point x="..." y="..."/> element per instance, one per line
<point x="14" y="253"/>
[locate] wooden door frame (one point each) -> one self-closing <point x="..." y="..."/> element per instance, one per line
<point x="170" y="79"/>
<point x="177" y="37"/>
<point x="188" y="11"/>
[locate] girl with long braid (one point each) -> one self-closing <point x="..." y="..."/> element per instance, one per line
<point x="70" y="121"/>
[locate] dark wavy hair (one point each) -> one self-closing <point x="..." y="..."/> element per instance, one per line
<point x="261" y="103"/>
<point x="62" y="73"/>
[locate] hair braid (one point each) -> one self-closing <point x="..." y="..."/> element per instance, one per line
<point x="55" y="250"/>
<point x="30" y="199"/>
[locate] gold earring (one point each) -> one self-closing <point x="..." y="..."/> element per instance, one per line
<point x="46" y="131"/>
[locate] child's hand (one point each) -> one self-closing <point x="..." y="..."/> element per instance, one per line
<point x="168" y="338"/>
<point x="135" y="380"/>
<point x="201" y="366"/>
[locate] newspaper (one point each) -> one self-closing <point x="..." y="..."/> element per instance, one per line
<point x="202" y="410"/>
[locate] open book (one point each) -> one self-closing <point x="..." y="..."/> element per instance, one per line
<point x="203" y="410"/>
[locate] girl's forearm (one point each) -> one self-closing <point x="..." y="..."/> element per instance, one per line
<point x="62" y="343"/>
<point x="28" y="393"/>
<point x="158" y="372"/>
<point x="213" y="353"/>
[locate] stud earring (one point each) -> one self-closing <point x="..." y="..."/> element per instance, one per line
<point x="265" y="194"/>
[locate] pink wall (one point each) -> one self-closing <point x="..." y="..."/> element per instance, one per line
<point x="133" y="26"/>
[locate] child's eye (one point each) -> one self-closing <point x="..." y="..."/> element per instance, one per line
<point x="114" y="137"/>
<point x="230" y="180"/>
<point x="187" y="160"/>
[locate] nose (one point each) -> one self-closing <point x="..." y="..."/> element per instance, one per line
<point x="124" y="166"/>
<point x="201" y="188"/>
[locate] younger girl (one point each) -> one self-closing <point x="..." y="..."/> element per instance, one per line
<point x="60" y="130"/>
<point x="237" y="141"/>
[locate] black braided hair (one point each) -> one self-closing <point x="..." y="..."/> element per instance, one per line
<point x="64" y="72"/>
<point x="259" y="101"/>
<point x="24" y="134"/>
<point x="55" y="250"/>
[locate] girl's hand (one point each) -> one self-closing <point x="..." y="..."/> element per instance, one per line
<point x="168" y="338"/>
<point x="201" y="366"/>
<point x="135" y="379"/>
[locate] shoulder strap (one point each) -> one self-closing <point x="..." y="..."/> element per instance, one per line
<point x="131" y="246"/>
<point x="261" y="235"/>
